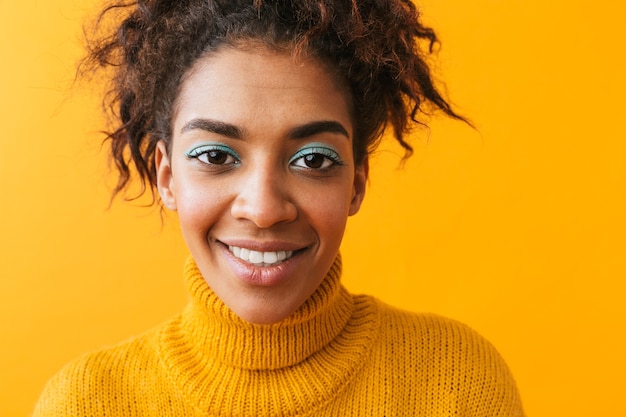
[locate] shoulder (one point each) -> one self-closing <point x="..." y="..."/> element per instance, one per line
<point x="446" y="356"/>
<point x="431" y="332"/>
<point x="86" y="384"/>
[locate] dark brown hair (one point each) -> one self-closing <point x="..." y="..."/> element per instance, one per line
<point x="379" y="47"/>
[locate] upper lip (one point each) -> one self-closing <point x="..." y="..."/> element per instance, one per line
<point x="264" y="246"/>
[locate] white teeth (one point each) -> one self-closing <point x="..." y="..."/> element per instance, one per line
<point x="255" y="257"/>
<point x="260" y="258"/>
<point x="270" y="257"/>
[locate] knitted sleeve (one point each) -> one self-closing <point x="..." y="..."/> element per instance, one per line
<point x="64" y="394"/>
<point x="72" y="392"/>
<point x="126" y="380"/>
<point x="446" y="368"/>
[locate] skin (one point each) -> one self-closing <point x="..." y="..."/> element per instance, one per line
<point x="238" y="174"/>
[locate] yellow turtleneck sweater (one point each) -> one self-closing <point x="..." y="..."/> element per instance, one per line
<point x="338" y="355"/>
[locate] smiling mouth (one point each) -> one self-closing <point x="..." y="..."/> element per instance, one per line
<point x="258" y="258"/>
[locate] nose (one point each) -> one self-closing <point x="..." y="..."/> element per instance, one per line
<point x="263" y="198"/>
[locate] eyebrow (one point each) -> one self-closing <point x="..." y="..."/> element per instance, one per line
<point x="315" y="128"/>
<point x="233" y="132"/>
<point x="213" y="126"/>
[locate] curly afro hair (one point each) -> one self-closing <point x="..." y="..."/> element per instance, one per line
<point x="378" y="47"/>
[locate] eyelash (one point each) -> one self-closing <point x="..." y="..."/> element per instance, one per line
<point x="327" y="153"/>
<point x="200" y="151"/>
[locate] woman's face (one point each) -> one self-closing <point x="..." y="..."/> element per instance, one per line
<point x="262" y="174"/>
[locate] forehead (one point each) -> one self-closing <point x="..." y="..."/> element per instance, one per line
<point x="239" y="84"/>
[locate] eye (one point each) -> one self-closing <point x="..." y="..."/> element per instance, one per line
<point x="313" y="160"/>
<point x="216" y="157"/>
<point x="214" y="154"/>
<point x="316" y="157"/>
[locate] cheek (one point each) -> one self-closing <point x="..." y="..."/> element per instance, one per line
<point x="198" y="209"/>
<point x="327" y="210"/>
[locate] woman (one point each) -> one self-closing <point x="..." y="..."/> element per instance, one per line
<point x="253" y="120"/>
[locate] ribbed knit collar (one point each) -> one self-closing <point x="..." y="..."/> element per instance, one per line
<point x="239" y="343"/>
<point x="227" y="366"/>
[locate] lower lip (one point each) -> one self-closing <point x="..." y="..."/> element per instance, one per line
<point x="264" y="276"/>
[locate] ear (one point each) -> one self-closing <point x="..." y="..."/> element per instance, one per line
<point x="360" y="182"/>
<point x="165" y="181"/>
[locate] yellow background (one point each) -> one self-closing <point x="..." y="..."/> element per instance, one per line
<point x="517" y="229"/>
